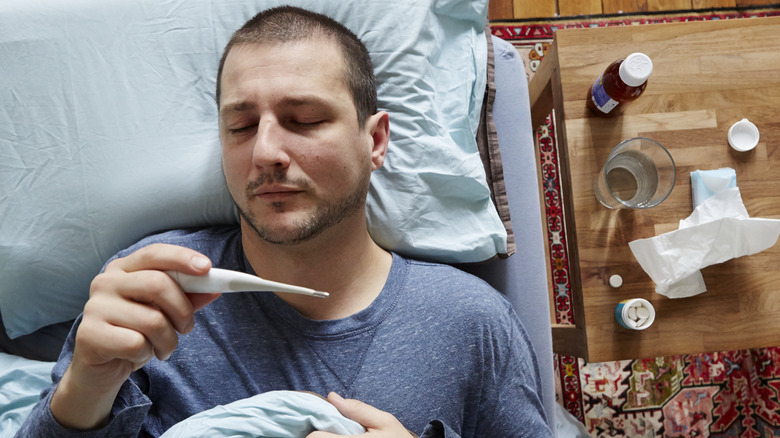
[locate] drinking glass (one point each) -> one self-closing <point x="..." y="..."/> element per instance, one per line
<point x="639" y="173"/>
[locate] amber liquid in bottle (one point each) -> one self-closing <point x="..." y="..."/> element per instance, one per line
<point x="615" y="89"/>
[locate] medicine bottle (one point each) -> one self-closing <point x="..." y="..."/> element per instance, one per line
<point x="622" y="82"/>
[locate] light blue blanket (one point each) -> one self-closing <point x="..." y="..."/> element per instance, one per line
<point x="280" y="414"/>
<point x="21" y="382"/>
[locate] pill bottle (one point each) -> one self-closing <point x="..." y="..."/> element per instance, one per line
<point x="622" y="82"/>
<point x="635" y="314"/>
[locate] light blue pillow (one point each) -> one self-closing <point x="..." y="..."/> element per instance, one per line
<point x="108" y="132"/>
<point x="279" y="414"/>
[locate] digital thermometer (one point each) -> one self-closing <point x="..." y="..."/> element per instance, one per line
<point x="224" y="280"/>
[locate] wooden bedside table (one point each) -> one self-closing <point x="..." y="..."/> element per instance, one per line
<point x="707" y="75"/>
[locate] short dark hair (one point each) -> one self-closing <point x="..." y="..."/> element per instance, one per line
<point x="288" y="23"/>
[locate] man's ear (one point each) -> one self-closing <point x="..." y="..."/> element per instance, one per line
<point x="378" y="128"/>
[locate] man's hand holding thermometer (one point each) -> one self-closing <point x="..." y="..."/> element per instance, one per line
<point x="136" y="312"/>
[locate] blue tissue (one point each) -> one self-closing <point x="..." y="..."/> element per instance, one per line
<point x="706" y="183"/>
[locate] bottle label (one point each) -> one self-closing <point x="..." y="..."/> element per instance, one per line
<point x="600" y="97"/>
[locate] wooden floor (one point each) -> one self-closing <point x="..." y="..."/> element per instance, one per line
<point x="515" y="9"/>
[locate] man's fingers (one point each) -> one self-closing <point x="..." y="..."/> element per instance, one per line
<point x="365" y="414"/>
<point x="112" y="335"/>
<point x="99" y="343"/>
<point x="153" y="324"/>
<point x="378" y="423"/>
<point x="154" y="289"/>
<point x="140" y="277"/>
<point x="164" y="258"/>
<point x="161" y="257"/>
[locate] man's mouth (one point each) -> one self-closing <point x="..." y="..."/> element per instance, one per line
<point x="276" y="193"/>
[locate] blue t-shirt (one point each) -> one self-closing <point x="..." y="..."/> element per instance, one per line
<point x="439" y="349"/>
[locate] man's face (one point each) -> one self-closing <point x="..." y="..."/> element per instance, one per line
<point x="295" y="159"/>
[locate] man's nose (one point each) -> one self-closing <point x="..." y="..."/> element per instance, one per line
<point x="269" y="150"/>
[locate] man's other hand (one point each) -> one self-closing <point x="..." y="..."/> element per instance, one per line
<point x="378" y="423"/>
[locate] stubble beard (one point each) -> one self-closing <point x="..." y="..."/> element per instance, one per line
<point x="327" y="214"/>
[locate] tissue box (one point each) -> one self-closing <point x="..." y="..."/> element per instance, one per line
<point x="706" y="183"/>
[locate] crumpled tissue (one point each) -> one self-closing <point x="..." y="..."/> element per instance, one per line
<point x="719" y="229"/>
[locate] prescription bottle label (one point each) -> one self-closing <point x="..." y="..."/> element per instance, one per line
<point x="601" y="99"/>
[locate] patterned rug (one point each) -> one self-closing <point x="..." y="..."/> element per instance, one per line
<point x="724" y="394"/>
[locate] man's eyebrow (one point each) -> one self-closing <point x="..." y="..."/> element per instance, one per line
<point x="298" y="101"/>
<point x="290" y="101"/>
<point x="236" y="107"/>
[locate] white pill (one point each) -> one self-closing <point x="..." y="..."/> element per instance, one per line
<point x="642" y="312"/>
<point x="616" y="281"/>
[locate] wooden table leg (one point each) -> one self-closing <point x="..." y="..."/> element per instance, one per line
<point x="545" y="96"/>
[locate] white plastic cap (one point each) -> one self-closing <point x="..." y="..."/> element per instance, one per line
<point x="743" y="135"/>
<point x="635" y="69"/>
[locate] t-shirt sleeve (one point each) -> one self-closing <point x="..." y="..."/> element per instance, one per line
<point x="510" y="403"/>
<point x="511" y="400"/>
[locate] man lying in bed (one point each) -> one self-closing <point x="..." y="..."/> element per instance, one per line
<point x="410" y="345"/>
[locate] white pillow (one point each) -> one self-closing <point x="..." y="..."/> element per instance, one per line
<point x="108" y="132"/>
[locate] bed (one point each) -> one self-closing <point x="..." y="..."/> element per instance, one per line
<point x="108" y="133"/>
